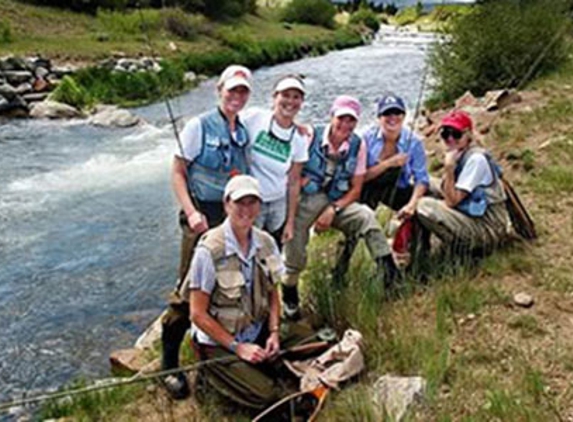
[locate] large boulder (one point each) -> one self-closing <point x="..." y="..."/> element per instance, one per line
<point x="496" y="100"/>
<point x="8" y="91"/>
<point x="54" y="110"/>
<point x="112" y="116"/>
<point x="13" y="63"/>
<point x="467" y="100"/>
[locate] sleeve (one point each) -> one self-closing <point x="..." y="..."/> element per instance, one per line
<point x="276" y="265"/>
<point x="369" y="137"/>
<point x="300" y="149"/>
<point x="419" y="164"/>
<point x="476" y="172"/>
<point x="191" y="138"/>
<point x="202" y="272"/>
<point x="361" y="164"/>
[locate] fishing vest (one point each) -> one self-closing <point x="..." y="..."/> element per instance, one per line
<point x="230" y="302"/>
<point x="220" y="158"/>
<point x="315" y="168"/>
<point x="477" y="202"/>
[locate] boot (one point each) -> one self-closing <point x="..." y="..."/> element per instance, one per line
<point x="343" y="262"/>
<point x="291" y="308"/>
<point x="392" y="278"/>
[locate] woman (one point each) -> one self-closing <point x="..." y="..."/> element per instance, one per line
<point x="396" y="174"/>
<point x="278" y="153"/>
<point x="235" y="306"/>
<point x="470" y="216"/>
<point x="332" y="180"/>
<point x="213" y="147"/>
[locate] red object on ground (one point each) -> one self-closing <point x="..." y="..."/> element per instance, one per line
<point x="403" y="237"/>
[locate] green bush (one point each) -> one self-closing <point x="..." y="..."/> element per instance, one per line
<point x="69" y="92"/>
<point x="366" y="17"/>
<point x="5" y="32"/>
<point x="181" y="24"/>
<point x="497" y="45"/>
<point x="313" y="12"/>
<point x="120" y="25"/>
<point x="407" y="16"/>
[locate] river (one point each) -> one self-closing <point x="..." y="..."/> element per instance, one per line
<point x="89" y="238"/>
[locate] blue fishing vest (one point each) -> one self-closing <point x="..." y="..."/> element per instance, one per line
<point x="315" y="167"/>
<point x="220" y="158"/>
<point x="477" y="202"/>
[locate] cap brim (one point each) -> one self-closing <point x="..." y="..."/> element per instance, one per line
<point x="345" y="111"/>
<point x="242" y="193"/>
<point x="235" y="82"/>
<point x="391" y="107"/>
<point x="290" y="84"/>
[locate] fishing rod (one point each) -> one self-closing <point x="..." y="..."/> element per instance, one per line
<point x="302" y="346"/>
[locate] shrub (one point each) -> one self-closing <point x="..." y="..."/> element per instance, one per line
<point x="69" y="92"/>
<point x="5" y="32"/>
<point x="407" y="16"/>
<point x="366" y="17"/>
<point x="313" y="12"/>
<point x="181" y="24"/>
<point x="497" y="45"/>
<point x="119" y="25"/>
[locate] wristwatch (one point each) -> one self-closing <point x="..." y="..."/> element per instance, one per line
<point x="233" y="346"/>
<point x="336" y="208"/>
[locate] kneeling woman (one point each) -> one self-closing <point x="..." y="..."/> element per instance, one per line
<point x="235" y="303"/>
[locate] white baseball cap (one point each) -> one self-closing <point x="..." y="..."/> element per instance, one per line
<point x="240" y="186"/>
<point x="290" y="82"/>
<point x="234" y="76"/>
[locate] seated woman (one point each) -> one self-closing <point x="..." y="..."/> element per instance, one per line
<point x="396" y="173"/>
<point x="332" y="181"/>
<point x="470" y="214"/>
<point x="235" y="304"/>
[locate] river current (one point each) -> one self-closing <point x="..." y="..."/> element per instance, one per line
<point x="89" y="240"/>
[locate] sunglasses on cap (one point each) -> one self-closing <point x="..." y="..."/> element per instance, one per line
<point x="392" y="112"/>
<point x="446" y="132"/>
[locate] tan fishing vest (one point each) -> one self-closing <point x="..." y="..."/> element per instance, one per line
<point x="230" y="303"/>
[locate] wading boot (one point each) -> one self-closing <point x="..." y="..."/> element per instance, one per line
<point x="391" y="276"/>
<point x="291" y="309"/>
<point x="346" y="249"/>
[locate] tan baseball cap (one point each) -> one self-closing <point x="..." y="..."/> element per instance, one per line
<point x="234" y="76"/>
<point x="240" y="186"/>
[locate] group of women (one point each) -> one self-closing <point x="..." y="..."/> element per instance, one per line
<point x="302" y="176"/>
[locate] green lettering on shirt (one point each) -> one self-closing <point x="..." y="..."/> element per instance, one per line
<point x="270" y="147"/>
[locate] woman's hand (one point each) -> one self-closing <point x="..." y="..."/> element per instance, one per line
<point x="407" y="211"/>
<point x="324" y="221"/>
<point x="273" y="345"/>
<point x="251" y="352"/>
<point x="397" y="160"/>
<point x="197" y="222"/>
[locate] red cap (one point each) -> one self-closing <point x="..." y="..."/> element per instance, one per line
<point x="458" y="120"/>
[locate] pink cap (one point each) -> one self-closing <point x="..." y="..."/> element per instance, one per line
<point x="459" y="120"/>
<point x="234" y="76"/>
<point x="346" y="105"/>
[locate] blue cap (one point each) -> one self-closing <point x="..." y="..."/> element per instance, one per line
<point x="389" y="102"/>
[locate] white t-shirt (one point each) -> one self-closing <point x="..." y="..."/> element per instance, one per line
<point x="271" y="158"/>
<point x="476" y="172"/>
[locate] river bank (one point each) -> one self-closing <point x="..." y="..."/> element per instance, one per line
<point x="182" y="48"/>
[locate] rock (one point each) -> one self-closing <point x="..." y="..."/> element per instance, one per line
<point x="24" y="88"/>
<point x="41" y="85"/>
<point x="4" y="104"/>
<point x="151" y="335"/>
<point x="496" y="100"/>
<point x="34" y="63"/>
<point x="54" y="110"/>
<point x="172" y="46"/>
<point x="62" y="71"/>
<point x="16" y="77"/>
<point x="523" y="299"/>
<point x="396" y="394"/>
<point x="132" y="360"/>
<point x="14" y="107"/>
<point x="545" y="144"/>
<point x="13" y="63"/>
<point x="118" y="68"/>
<point x="41" y="72"/>
<point x="8" y="91"/>
<point x="34" y="97"/>
<point x="112" y="116"/>
<point x="467" y="100"/>
<point x="190" y="77"/>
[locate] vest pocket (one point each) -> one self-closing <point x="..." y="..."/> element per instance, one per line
<point x="231" y="284"/>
